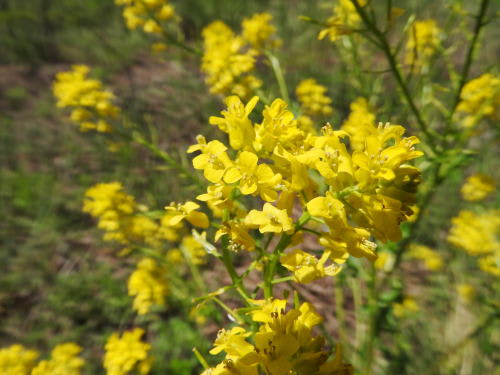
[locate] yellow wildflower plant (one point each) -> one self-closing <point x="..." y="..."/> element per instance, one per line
<point x="148" y="285"/>
<point x="17" y="360"/>
<point x="477" y="187"/>
<point x="127" y="354"/>
<point x="92" y="106"/>
<point x="64" y="359"/>
<point x="480" y="98"/>
<point x="312" y="98"/>
<point x="284" y="344"/>
<point x="343" y="21"/>
<point x="259" y="32"/>
<point x="477" y="234"/>
<point x="432" y="260"/>
<point x="369" y="190"/>
<point x="423" y="42"/>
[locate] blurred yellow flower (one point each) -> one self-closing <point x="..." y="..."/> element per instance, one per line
<point x="17" y="360"/>
<point x="64" y="359"/>
<point x="480" y="98"/>
<point x="477" y="187"/>
<point x="312" y="98"/>
<point x="423" y="42"/>
<point x="148" y="285"/>
<point x="127" y="353"/>
<point x="431" y="258"/>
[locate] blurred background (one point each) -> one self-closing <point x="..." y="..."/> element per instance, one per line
<point x="58" y="280"/>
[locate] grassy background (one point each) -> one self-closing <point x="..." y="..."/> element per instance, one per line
<point x="58" y="281"/>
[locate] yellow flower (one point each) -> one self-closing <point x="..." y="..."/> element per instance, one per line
<point x="17" y="360"/>
<point x="232" y="342"/>
<point x="278" y="127"/>
<point x="253" y="178"/>
<point x="431" y="258"/>
<point x="127" y="353"/>
<point x="148" y="285"/>
<point x="307" y="267"/>
<point x="405" y="308"/>
<point x="423" y="42"/>
<point x="217" y="198"/>
<point x="491" y="263"/>
<point x="328" y="208"/>
<point x="312" y="98"/>
<point x="91" y="105"/>
<point x="270" y="219"/>
<point x="385" y="261"/>
<point x="476" y="233"/>
<point x="213" y="159"/>
<point x="477" y="187"/>
<point x="227" y="61"/>
<point x="236" y="122"/>
<point x="480" y="98"/>
<point x="239" y="238"/>
<point x="259" y="32"/>
<point x="344" y="19"/>
<point x="146" y="13"/>
<point x="64" y="361"/>
<point x="189" y="212"/>
<point x="359" y="124"/>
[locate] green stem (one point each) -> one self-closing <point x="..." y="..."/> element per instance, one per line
<point x="386" y="49"/>
<point x="235" y="278"/>
<point x="280" y="78"/>
<point x="195" y="272"/>
<point x="171" y="162"/>
<point x="468" y="61"/>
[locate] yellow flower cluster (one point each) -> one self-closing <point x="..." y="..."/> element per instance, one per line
<point x="312" y="98"/>
<point x="127" y="354"/>
<point x="122" y="219"/>
<point x="284" y="344"/>
<point x="91" y="105"/>
<point x="431" y="258"/>
<point x="477" y="187"/>
<point x="423" y="42"/>
<point x="345" y="18"/>
<point x="229" y="59"/>
<point x="259" y="32"/>
<point x="480" y="98"/>
<point x="17" y="360"/>
<point x="148" y="284"/>
<point x="64" y="359"/>
<point x="287" y="167"/>
<point x="477" y="234"/>
<point x="146" y="14"/>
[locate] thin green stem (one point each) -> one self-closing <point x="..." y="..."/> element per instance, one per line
<point x="235" y="278"/>
<point x="386" y="49"/>
<point x="280" y="78"/>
